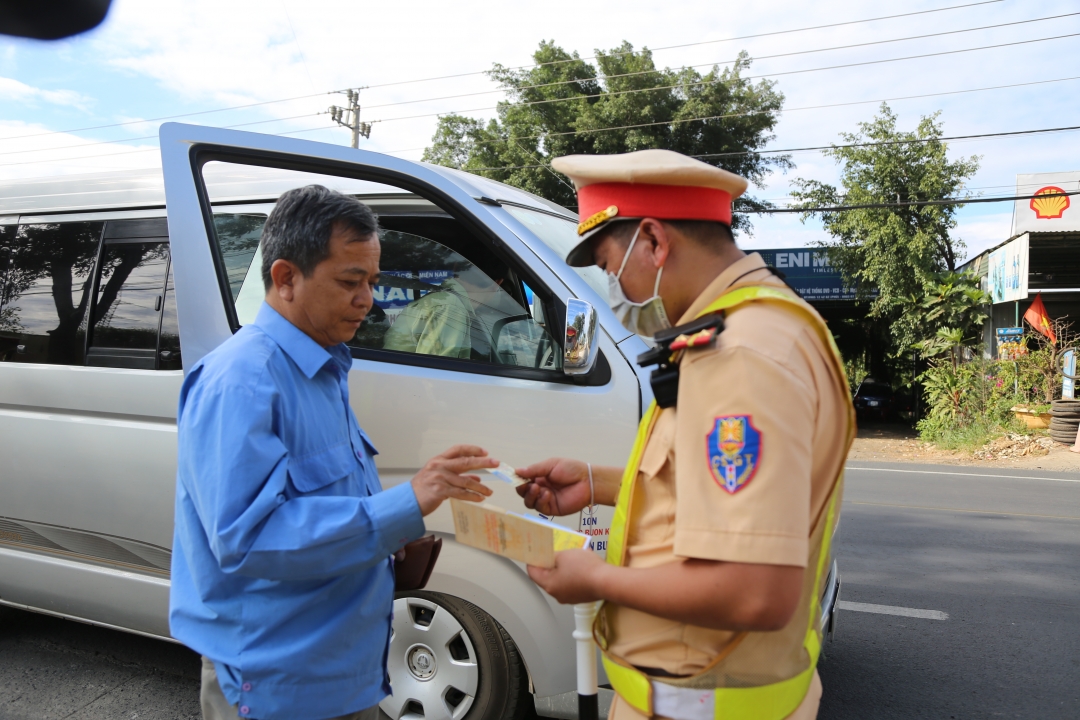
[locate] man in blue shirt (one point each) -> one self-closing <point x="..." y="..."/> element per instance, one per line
<point x="281" y="570"/>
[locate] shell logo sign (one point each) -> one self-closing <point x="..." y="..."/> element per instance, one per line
<point x="1052" y="207"/>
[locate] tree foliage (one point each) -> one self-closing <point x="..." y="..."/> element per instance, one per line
<point x="896" y="252"/>
<point x="565" y="105"/>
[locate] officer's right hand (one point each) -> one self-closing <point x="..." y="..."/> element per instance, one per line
<point x="559" y="486"/>
<point x="441" y="477"/>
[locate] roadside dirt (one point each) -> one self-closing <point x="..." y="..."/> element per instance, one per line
<point x="898" y="443"/>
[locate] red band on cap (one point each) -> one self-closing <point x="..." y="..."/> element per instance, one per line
<point x="664" y="202"/>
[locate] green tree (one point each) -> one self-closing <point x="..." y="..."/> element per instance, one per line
<point x="896" y="252"/>
<point x="565" y="105"/>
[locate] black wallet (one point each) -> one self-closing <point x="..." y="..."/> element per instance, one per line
<point x="413" y="572"/>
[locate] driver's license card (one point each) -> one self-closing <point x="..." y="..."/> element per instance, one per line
<point x="506" y="473"/>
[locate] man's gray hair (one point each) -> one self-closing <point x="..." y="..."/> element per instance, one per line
<point x="299" y="228"/>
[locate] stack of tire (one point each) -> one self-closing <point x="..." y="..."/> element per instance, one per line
<point x="1064" y="419"/>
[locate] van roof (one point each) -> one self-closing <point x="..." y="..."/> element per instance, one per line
<point x="144" y="189"/>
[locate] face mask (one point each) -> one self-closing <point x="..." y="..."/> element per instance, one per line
<point x="644" y="318"/>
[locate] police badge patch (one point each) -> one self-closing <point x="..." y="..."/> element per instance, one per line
<point x="734" y="450"/>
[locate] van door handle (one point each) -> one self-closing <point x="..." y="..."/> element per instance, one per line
<point x="157" y="304"/>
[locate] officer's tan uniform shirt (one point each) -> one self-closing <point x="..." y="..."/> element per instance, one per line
<point x="770" y="365"/>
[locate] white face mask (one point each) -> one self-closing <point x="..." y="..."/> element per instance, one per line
<point x="644" y="318"/>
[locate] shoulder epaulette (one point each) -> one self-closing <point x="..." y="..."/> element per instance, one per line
<point x="699" y="333"/>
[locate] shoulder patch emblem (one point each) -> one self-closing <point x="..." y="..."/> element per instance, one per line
<point x="734" y="451"/>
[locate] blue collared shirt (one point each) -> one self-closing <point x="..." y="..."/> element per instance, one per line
<point x="281" y="570"/>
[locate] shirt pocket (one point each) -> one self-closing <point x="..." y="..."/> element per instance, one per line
<point x="658" y="449"/>
<point x="319" y="469"/>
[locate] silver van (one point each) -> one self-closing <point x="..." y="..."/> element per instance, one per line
<point x="111" y="285"/>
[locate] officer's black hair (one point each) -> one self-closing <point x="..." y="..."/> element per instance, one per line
<point x="300" y="226"/>
<point x="707" y="233"/>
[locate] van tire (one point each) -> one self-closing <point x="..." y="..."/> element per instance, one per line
<point x="503" y="687"/>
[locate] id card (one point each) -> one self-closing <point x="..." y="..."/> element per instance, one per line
<point x="506" y="473"/>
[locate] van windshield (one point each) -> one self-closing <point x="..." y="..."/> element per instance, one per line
<point x="561" y="236"/>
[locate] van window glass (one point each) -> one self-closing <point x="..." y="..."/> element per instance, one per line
<point x="431" y="300"/>
<point x="169" y="339"/>
<point x="46" y="291"/>
<point x="561" y="236"/>
<point x="238" y="237"/>
<point x="127" y="309"/>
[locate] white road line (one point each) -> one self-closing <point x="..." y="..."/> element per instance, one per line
<point x="964" y="474"/>
<point x="893" y="610"/>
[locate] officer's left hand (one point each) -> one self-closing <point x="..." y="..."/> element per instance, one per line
<point x="575" y="577"/>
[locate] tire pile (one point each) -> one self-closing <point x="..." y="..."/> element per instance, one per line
<point x="1065" y="417"/>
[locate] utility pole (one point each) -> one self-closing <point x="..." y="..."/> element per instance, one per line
<point x="350" y="116"/>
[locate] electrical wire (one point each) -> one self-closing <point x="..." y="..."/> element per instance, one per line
<point x="703" y="42"/>
<point x="151" y="137"/>
<point x="637" y="90"/>
<point x="484" y="72"/>
<point x="747" y="77"/>
<point x="914" y="203"/>
<point x="812" y="107"/>
<point x="654" y="71"/>
<point x="796" y="109"/>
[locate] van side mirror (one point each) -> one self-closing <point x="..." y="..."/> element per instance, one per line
<point x="579" y="348"/>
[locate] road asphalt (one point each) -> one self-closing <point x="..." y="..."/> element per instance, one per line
<point x="995" y="552"/>
<point x="999" y="552"/>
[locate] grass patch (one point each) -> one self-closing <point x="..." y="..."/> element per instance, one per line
<point x="971" y="436"/>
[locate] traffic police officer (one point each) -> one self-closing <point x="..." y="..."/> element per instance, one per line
<point x="720" y="540"/>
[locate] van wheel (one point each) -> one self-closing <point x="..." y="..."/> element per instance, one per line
<point x="449" y="660"/>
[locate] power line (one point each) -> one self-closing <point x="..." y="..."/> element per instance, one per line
<point x="167" y="117"/>
<point x="915" y="203"/>
<point x="520" y="167"/>
<point x="725" y="62"/>
<point x="483" y="72"/>
<point x="797" y="109"/>
<point x="748" y="77"/>
<point x="848" y="145"/>
<point x="703" y="42"/>
<point x="637" y="90"/>
<point x="151" y="137"/>
<point x="896" y="142"/>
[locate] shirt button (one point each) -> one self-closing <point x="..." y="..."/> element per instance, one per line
<point x="244" y="709"/>
<point x="246" y="687"/>
<point x="280" y="498"/>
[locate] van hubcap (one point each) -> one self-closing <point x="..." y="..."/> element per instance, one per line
<point x="432" y="664"/>
<point x="421" y="662"/>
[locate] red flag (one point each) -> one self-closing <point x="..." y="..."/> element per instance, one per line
<point x="1037" y="316"/>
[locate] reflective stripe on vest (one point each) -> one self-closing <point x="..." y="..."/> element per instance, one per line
<point x="766" y="702"/>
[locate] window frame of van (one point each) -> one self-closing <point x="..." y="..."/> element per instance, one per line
<point x="200" y="156"/>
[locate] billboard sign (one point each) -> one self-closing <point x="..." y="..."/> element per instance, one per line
<point x="1010" y="343"/>
<point x="809" y="271"/>
<point x="1008" y="271"/>
<point x="1049" y="211"/>
<point x="1068" y="385"/>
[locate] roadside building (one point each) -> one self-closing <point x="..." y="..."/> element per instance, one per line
<point x="1041" y="255"/>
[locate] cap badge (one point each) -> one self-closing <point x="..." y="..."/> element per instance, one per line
<point x="596" y="219"/>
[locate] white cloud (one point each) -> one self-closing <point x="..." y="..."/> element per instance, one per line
<point x="12" y="89"/>
<point x="215" y="53"/>
<point x="38" y="153"/>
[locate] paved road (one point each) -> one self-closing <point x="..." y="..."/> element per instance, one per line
<point x="999" y="555"/>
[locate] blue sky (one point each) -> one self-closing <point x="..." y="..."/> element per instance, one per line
<point x="161" y="58"/>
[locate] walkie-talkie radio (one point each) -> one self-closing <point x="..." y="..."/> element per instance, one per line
<point x="669" y="344"/>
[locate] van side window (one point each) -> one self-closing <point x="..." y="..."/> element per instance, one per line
<point x="46" y="291"/>
<point x="432" y="300"/>
<point x="127" y="309"/>
<point x="238" y="238"/>
<point x="169" y="338"/>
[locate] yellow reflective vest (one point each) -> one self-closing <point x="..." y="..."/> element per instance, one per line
<point x="773" y="701"/>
